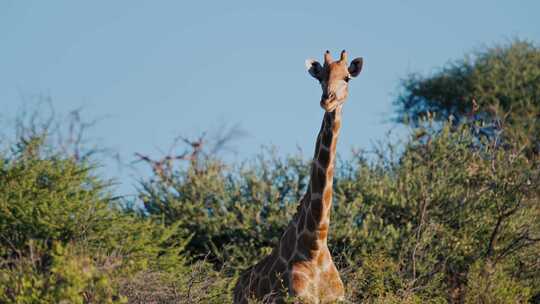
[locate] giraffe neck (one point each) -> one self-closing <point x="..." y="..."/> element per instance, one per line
<point x="319" y="199"/>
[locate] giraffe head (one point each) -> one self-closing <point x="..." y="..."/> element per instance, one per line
<point x="334" y="78"/>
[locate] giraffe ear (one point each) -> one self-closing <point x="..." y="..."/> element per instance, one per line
<point x="314" y="68"/>
<point x="356" y="66"/>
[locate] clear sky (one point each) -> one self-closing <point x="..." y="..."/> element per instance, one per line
<point x="158" y="69"/>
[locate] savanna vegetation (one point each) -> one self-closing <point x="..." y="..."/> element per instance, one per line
<point x="451" y="214"/>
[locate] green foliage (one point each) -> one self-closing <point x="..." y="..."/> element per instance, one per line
<point x="445" y="205"/>
<point x="235" y="214"/>
<point x="72" y="277"/>
<point x="503" y="81"/>
<point x="413" y="228"/>
<point x="378" y="279"/>
<point x="47" y="199"/>
<point x="489" y="283"/>
<point x="408" y="229"/>
<point x="505" y="77"/>
<point x="63" y="240"/>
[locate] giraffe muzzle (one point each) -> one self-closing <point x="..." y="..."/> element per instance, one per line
<point x="329" y="102"/>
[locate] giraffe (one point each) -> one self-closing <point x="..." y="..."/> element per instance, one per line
<point x="301" y="262"/>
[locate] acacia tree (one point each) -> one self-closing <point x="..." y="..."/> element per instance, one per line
<point x="64" y="237"/>
<point x="498" y="86"/>
<point x="496" y="93"/>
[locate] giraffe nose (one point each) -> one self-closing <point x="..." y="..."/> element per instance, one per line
<point x="327" y="97"/>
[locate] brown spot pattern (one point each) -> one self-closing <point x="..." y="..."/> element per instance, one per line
<point x="301" y="262"/>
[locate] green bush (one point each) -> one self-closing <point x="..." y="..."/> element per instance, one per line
<point x="64" y="239"/>
<point x="236" y="214"/>
<point x="71" y="277"/>
<point x="488" y="283"/>
<point x="445" y="203"/>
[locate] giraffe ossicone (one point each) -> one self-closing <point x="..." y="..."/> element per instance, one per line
<point x="301" y="264"/>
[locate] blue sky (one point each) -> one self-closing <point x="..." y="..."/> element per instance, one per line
<point x="158" y="69"/>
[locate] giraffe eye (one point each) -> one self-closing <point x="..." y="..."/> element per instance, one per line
<point x="347" y="78"/>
